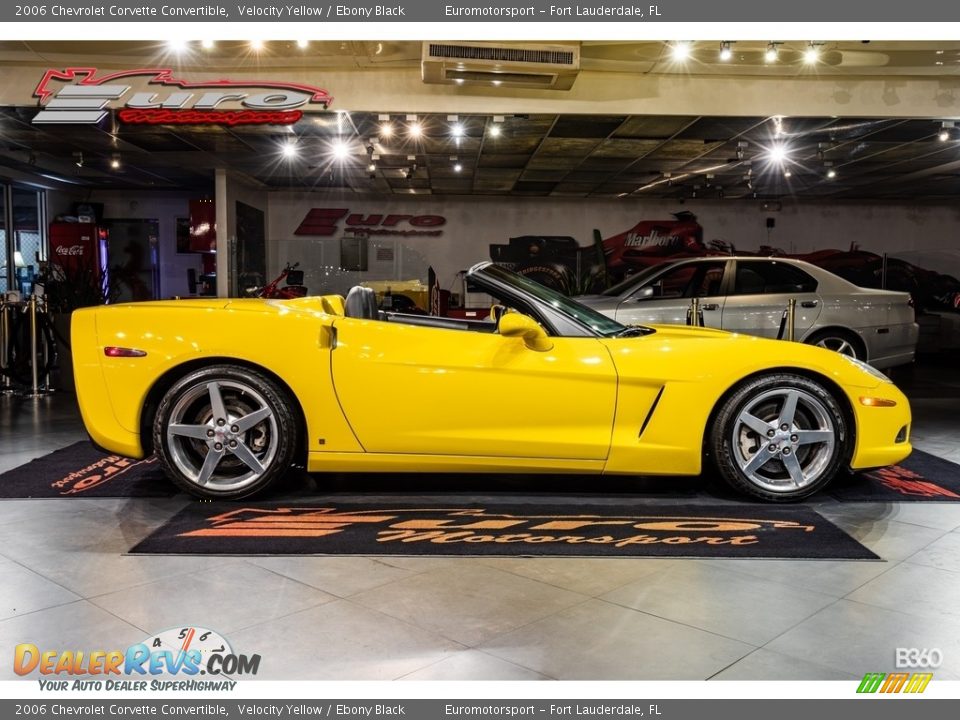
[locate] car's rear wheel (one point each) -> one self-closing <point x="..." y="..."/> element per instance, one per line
<point x="839" y="341"/>
<point x="779" y="437"/>
<point x="225" y="432"/>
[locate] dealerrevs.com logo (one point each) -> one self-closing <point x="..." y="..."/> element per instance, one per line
<point x="154" y="96"/>
<point x="174" y="659"/>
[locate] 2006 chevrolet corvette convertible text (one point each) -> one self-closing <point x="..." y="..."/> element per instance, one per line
<point x="230" y="393"/>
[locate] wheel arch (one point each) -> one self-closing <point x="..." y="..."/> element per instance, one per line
<point x="166" y="381"/>
<point x="838" y="394"/>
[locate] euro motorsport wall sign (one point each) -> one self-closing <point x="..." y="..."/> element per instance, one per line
<point x="155" y="96"/>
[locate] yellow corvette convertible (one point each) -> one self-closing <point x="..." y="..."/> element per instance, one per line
<point x="230" y="393"/>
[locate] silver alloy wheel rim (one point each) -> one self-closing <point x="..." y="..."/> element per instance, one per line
<point x="783" y="439"/>
<point x="838" y="344"/>
<point x="222" y="435"/>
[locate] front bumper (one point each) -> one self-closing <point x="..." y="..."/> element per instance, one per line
<point x="882" y="432"/>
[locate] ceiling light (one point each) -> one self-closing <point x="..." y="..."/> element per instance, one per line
<point x="497" y="82"/>
<point x="787" y="173"/>
<point x="386" y="129"/>
<point x="778" y="154"/>
<point x="177" y="46"/>
<point x="115" y="162"/>
<point x="459" y="81"/>
<point x="207" y="44"/>
<point x="372" y="167"/>
<point x="458" y="167"/>
<point x="340" y="150"/>
<point x="831" y="173"/>
<point x="680" y="50"/>
<point x="415" y="129"/>
<point x="725" y="52"/>
<point x="944" y="135"/>
<point x="495" y="130"/>
<point x="456" y="130"/>
<point x="290" y="150"/>
<point x="303" y="44"/>
<point x="256" y="45"/>
<point x="771" y="54"/>
<point x="812" y="55"/>
<point x="945" y="127"/>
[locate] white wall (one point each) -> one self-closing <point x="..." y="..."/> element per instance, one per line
<point x="475" y="222"/>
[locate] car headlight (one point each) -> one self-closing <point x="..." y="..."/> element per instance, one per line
<point x="868" y="369"/>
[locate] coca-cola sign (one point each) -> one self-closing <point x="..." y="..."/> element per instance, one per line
<point x="69" y="250"/>
<point x="325" y="222"/>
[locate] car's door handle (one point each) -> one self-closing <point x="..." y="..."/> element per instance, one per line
<point x="809" y="303"/>
<point x="710" y="306"/>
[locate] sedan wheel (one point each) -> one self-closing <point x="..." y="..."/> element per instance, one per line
<point x="780" y="437"/>
<point x="837" y="342"/>
<point x="225" y="432"/>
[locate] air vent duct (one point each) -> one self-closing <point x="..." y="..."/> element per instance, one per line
<point x="547" y="67"/>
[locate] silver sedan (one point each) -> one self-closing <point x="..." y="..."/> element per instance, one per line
<point x="749" y="295"/>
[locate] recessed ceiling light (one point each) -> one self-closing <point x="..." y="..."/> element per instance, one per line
<point x="290" y="150"/>
<point x="778" y="154"/>
<point x="680" y="50"/>
<point x="256" y="45"/>
<point x="177" y="46"/>
<point x="115" y="163"/>
<point x="771" y="54"/>
<point x="458" y="167"/>
<point x="787" y="173"/>
<point x="458" y="81"/>
<point x="386" y="129"/>
<point x="207" y="44"/>
<point x="495" y="130"/>
<point x="812" y="55"/>
<point x="340" y="150"/>
<point x="831" y="173"/>
<point x="496" y="83"/>
<point x="302" y="44"/>
<point x="456" y="130"/>
<point x="725" y="52"/>
<point x="415" y="129"/>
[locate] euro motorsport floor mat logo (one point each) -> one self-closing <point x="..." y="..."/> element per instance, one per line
<point x="170" y="660"/>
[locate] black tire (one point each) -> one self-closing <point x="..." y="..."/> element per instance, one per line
<point x="838" y="340"/>
<point x="269" y="443"/>
<point x="733" y="444"/>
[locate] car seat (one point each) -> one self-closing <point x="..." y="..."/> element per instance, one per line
<point x="361" y="302"/>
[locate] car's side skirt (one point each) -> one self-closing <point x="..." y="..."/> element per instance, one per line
<point x="402" y="462"/>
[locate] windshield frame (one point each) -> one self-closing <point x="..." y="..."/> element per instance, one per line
<point x="564" y="316"/>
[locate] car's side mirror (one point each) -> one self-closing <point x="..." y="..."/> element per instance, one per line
<point x="514" y="324"/>
<point x="645" y="293"/>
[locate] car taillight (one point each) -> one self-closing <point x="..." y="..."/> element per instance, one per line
<point x="112" y="351"/>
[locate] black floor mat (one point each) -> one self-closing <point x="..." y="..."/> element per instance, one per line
<point x="624" y="529"/>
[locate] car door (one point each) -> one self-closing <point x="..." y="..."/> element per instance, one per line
<point x="761" y="292"/>
<point x="412" y="389"/>
<point x="665" y="298"/>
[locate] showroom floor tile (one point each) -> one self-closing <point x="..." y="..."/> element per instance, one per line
<point x="723" y="602"/>
<point x="474" y="665"/>
<point x="65" y="580"/>
<point x="768" y="664"/>
<point x="342" y="641"/>
<point x="469" y="602"/>
<point x="597" y="640"/>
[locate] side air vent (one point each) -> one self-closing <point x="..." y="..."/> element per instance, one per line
<point x="550" y="67"/>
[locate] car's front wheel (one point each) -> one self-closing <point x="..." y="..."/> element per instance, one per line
<point x="225" y="432"/>
<point x="779" y="437"/>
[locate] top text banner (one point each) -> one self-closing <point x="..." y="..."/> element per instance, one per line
<point x="260" y="11"/>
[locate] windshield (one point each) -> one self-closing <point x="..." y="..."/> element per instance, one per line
<point x="599" y="323"/>
<point x="632" y="282"/>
